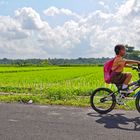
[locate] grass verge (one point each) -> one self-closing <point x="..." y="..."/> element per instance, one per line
<point x="76" y="101"/>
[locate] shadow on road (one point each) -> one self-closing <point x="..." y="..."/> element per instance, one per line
<point x="119" y="121"/>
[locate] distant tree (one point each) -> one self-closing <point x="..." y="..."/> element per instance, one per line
<point x="132" y="53"/>
<point x="44" y="62"/>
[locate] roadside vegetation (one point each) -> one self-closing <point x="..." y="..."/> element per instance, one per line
<point x="53" y="85"/>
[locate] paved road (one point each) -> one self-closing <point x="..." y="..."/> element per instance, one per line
<point x="34" y="122"/>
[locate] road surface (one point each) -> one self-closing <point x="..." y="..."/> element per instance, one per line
<point x="35" y="122"/>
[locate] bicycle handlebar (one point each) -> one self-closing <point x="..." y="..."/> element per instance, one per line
<point x="136" y="68"/>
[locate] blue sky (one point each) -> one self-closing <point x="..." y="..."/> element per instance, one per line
<point x="67" y="28"/>
<point x="9" y="6"/>
<point x="80" y="6"/>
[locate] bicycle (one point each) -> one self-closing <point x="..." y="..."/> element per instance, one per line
<point x="103" y="100"/>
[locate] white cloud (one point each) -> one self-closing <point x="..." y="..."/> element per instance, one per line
<point x="61" y="40"/>
<point x="29" y="18"/>
<point x="126" y="8"/>
<point x="27" y="35"/>
<point x="53" y="11"/>
<point x="101" y="3"/>
<point x="105" y="6"/>
<point x="10" y="29"/>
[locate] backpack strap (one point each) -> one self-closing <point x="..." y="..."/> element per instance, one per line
<point x="113" y="62"/>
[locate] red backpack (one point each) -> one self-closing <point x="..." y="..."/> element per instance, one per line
<point x="107" y="70"/>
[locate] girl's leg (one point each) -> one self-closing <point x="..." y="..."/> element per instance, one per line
<point x="127" y="80"/>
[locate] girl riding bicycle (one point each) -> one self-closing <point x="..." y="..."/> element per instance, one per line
<point x="103" y="99"/>
<point x="117" y="75"/>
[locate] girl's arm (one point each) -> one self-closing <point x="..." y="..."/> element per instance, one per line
<point x="132" y="62"/>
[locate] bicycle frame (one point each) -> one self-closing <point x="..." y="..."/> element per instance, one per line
<point x="135" y="85"/>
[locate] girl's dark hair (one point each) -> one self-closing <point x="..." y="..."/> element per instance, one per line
<point x="118" y="48"/>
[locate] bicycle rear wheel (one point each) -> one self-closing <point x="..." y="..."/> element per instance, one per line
<point x="137" y="102"/>
<point x="103" y="100"/>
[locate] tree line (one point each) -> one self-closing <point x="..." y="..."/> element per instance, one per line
<point x="131" y="54"/>
<point x="53" y="61"/>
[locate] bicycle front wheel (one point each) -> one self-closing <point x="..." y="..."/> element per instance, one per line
<point x="103" y="100"/>
<point x="137" y="102"/>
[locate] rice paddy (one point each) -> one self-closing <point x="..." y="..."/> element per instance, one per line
<point x="72" y="85"/>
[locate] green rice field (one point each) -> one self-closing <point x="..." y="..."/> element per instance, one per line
<point x="52" y="85"/>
